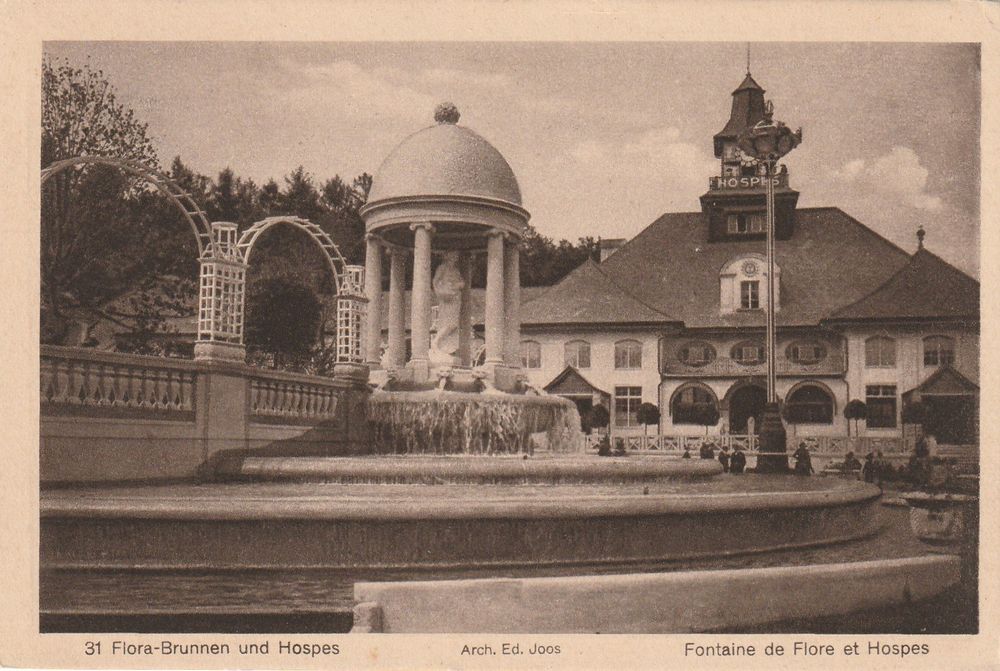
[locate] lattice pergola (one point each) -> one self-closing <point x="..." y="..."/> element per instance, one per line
<point x="192" y="212"/>
<point x="224" y="256"/>
<point x="222" y="288"/>
<point x="349" y="281"/>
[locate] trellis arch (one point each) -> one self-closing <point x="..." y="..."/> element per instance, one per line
<point x="336" y="262"/>
<point x="192" y="212"/>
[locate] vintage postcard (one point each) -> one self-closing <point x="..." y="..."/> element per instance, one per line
<point x="488" y="336"/>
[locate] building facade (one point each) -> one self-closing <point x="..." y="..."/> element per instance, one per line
<point x="675" y="317"/>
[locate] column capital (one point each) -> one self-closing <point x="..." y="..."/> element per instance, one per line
<point x="426" y="225"/>
<point x="496" y="232"/>
<point x="375" y="238"/>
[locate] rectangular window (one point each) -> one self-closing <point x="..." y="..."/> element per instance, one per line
<point x="531" y="354"/>
<point x="732" y="224"/>
<point x="880" y="352"/>
<point x="756" y="222"/>
<point x="627" y="402"/>
<point x="881" y="402"/>
<point x="750" y="295"/>
<point x="577" y="354"/>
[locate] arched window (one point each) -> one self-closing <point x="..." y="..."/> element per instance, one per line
<point x="696" y="354"/>
<point x="628" y="354"/>
<point x="531" y="354"/>
<point x="748" y="353"/>
<point x="805" y="352"/>
<point x="809" y="404"/>
<point x="939" y="351"/>
<point x="691" y="404"/>
<point x="578" y="354"/>
<point x="880" y="352"/>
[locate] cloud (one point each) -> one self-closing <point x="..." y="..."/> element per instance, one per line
<point x="465" y="77"/>
<point x="357" y="91"/>
<point x="898" y="174"/>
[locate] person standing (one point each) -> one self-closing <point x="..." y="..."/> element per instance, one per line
<point x="803" y="461"/>
<point x="724" y="458"/>
<point x="738" y="462"/>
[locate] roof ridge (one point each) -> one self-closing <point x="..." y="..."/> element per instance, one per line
<point x="880" y="287"/>
<point x="630" y="295"/>
<point x="940" y="259"/>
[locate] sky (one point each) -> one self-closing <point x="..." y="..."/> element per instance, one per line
<point x="603" y="137"/>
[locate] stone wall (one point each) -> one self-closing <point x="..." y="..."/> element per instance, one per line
<point x="120" y="417"/>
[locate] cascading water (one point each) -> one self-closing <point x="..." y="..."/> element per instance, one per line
<point x="446" y="422"/>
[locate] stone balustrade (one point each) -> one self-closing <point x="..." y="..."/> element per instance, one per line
<point x="97" y="380"/>
<point x="275" y="394"/>
<point x="107" y="416"/>
<point x="835" y="363"/>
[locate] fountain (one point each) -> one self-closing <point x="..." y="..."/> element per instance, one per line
<point x="467" y="472"/>
<point x="446" y="190"/>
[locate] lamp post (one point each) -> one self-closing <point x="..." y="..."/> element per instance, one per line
<point x="767" y="141"/>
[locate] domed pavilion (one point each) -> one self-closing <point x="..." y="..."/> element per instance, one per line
<point x="444" y="192"/>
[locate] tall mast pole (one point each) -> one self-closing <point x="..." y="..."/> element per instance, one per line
<point x="772" y="377"/>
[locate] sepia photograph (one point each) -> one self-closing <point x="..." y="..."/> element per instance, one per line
<point x="471" y="335"/>
<point x="399" y="337"/>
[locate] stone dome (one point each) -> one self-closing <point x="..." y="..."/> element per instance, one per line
<point x="445" y="160"/>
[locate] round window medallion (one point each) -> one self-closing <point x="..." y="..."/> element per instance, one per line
<point x="749" y="268"/>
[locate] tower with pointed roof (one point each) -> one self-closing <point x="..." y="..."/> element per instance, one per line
<point x="734" y="204"/>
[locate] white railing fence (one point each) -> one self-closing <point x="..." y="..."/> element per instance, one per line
<point x="834" y="446"/>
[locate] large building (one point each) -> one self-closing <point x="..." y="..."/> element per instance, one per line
<point x="675" y="317"/>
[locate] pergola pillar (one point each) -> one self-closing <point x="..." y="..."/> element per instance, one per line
<point x="373" y="292"/>
<point x="495" y="322"/>
<point x="396" y="354"/>
<point x="465" y="310"/>
<point x="420" y="309"/>
<point x="512" y="304"/>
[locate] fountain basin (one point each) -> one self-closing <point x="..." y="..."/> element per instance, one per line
<point x="278" y="525"/>
<point x="448" y="422"/>
<point x="414" y="469"/>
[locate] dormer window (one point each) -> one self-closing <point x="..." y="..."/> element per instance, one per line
<point x="741" y="284"/>
<point x="745" y="223"/>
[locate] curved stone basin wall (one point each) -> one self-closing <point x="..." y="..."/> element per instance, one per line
<point x="356" y="526"/>
<point x="444" y="422"/>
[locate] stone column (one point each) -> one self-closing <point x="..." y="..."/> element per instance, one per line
<point x="420" y="308"/>
<point x="373" y="292"/>
<point x="397" y="307"/>
<point x="495" y="327"/>
<point x="512" y="303"/>
<point x="465" y="310"/>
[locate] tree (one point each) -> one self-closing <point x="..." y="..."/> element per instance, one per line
<point x="648" y="414"/>
<point x="599" y="417"/>
<point x="283" y="318"/>
<point x="707" y="415"/>
<point x="102" y="231"/>
<point x="855" y="410"/>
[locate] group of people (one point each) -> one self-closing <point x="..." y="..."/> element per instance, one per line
<point x="731" y="463"/>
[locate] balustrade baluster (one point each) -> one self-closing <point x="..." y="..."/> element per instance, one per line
<point x="47" y="381"/>
<point x="187" y="391"/>
<point x="77" y="389"/>
<point x="105" y="384"/>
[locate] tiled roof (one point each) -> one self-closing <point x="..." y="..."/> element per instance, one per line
<point x="572" y="381"/>
<point x="946" y="381"/>
<point x="588" y="296"/>
<point x="831" y="261"/>
<point x="926" y="287"/>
